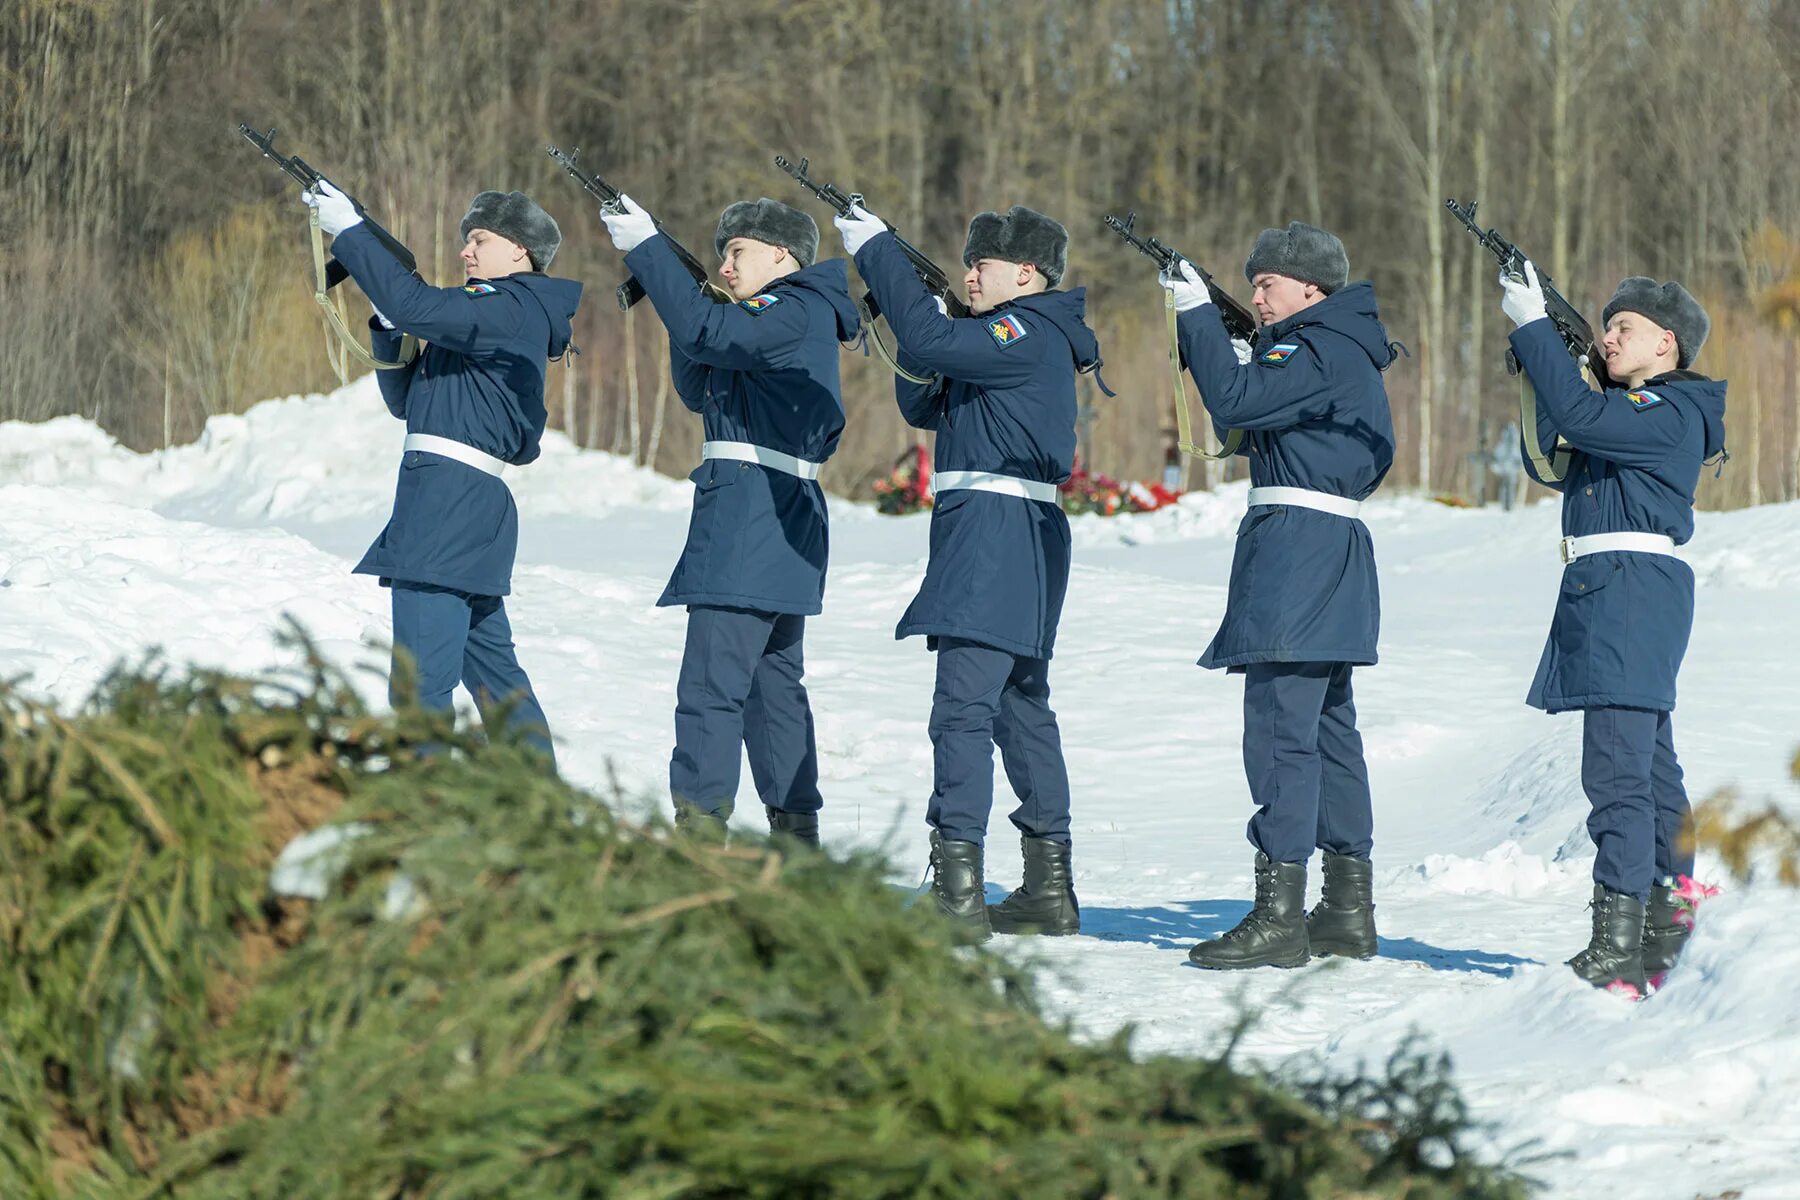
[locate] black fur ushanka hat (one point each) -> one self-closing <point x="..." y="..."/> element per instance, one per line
<point x="516" y="217"/>
<point x="1669" y="305"/>
<point x="1019" y="235"/>
<point x="769" y="221"/>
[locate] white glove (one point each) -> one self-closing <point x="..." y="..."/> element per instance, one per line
<point x="381" y="317"/>
<point x="631" y="227"/>
<point x="858" y="228"/>
<point x="1523" y="300"/>
<point x="336" y="212"/>
<point x="1188" y="290"/>
<point x="943" y="309"/>
<point x="1241" y="348"/>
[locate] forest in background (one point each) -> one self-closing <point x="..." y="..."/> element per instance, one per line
<point x="156" y="270"/>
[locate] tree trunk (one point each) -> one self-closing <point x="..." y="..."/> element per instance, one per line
<point x="631" y="383"/>
<point x="1562" y="154"/>
<point x="1793" y="356"/>
<point x="571" y="414"/>
<point x="660" y="408"/>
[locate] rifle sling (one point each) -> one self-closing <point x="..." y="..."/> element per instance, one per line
<point x="335" y="315"/>
<point x="873" y="333"/>
<point x="1184" y="423"/>
<point x="1550" y="467"/>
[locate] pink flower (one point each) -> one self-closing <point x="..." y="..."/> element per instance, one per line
<point x="1688" y="895"/>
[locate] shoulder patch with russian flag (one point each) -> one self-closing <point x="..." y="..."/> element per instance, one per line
<point x="1643" y="398"/>
<point x="1278" y="355"/>
<point x="759" y="304"/>
<point x="1007" y="330"/>
<point x="480" y="289"/>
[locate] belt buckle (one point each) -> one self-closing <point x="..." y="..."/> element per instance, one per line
<point x="1566" y="548"/>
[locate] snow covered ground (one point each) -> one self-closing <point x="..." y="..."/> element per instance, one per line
<point x="1481" y="859"/>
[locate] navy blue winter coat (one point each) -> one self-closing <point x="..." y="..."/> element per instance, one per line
<point x="479" y="381"/>
<point x="1622" y="618"/>
<point x="763" y="371"/>
<point x="1315" y="415"/>
<point x="999" y="565"/>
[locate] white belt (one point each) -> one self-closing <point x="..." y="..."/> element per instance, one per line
<point x="444" y="447"/>
<point x="1573" y="548"/>
<point x="988" y="481"/>
<point x="1295" y="497"/>
<point x="750" y="452"/>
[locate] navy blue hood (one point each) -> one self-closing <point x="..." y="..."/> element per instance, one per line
<point x="1708" y="396"/>
<point x="830" y="279"/>
<point x="1349" y="311"/>
<point x="1068" y="312"/>
<point x="560" y="298"/>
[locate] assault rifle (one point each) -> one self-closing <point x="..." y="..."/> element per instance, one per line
<point x="1240" y="322"/>
<point x="631" y="291"/>
<point x="302" y="173"/>
<point x="929" y="273"/>
<point x="1571" y="326"/>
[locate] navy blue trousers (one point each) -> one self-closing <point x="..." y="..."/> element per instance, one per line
<point x="1633" y="782"/>
<point x="456" y="638"/>
<point x="1304" y="762"/>
<point x="986" y="698"/>
<point x="739" y="690"/>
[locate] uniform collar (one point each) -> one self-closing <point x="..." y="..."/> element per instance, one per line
<point x="1677" y="376"/>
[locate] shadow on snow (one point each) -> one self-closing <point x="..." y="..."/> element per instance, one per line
<point x="1180" y="925"/>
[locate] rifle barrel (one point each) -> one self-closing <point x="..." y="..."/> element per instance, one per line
<point x="1577" y="335"/>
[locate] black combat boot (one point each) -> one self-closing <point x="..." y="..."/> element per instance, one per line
<point x="956" y="885"/>
<point x="1045" y="902"/>
<point x="701" y="825"/>
<point x="1669" y="922"/>
<point x="1614" y="958"/>
<point x="1343" y="921"/>
<point x="792" y="827"/>
<point x="1273" y="932"/>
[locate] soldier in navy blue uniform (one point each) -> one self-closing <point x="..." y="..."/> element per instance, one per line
<point x="1626" y="604"/>
<point x="473" y="403"/>
<point x="1303" y="607"/>
<point x="1001" y="399"/>
<point x="763" y="374"/>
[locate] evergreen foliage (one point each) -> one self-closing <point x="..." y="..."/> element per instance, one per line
<point x="135" y="842"/>
<point x="511" y="991"/>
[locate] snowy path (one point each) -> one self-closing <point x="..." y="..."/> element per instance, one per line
<point x="1480" y="855"/>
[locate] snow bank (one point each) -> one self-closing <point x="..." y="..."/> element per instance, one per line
<point x="1481" y="855"/>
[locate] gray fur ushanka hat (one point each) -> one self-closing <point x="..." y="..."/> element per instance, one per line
<point x="516" y="216"/>
<point x="1019" y="235"/>
<point x="1669" y="305"/>
<point x="1301" y="251"/>
<point x="769" y="221"/>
